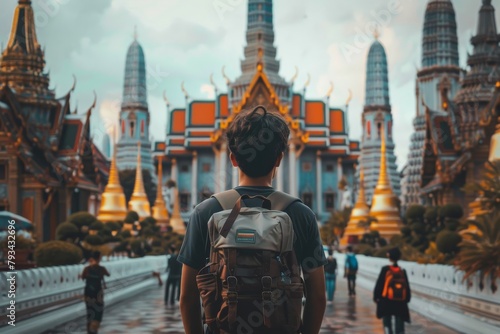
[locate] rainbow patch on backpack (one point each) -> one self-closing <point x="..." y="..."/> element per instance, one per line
<point x="245" y="236"/>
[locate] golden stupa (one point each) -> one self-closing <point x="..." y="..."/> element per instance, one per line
<point x="360" y="212"/>
<point x="113" y="204"/>
<point x="139" y="201"/>
<point x="160" y="212"/>
<point x="176" y="220"/>
<point x="384" y="202"/>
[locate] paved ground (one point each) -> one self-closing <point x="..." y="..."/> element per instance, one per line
<point x="146" y="313"/>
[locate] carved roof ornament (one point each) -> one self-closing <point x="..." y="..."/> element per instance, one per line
<point x="228" y="82"/>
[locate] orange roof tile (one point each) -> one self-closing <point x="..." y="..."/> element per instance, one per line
<point x="340" y="141"/>
<point x="337" y="121"/>
<point x="202" y="113"/>
<point x="200" y="134"/>
<point x="354" y="145"/>
<point x="297" y="103"/>
<point x="315" y="113"/>
<point x="223" y="106"/>
<point x="199" y="143"/>
<point x="176" y="142"/>
<point x="178" y="121"/>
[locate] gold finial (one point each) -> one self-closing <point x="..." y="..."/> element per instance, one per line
<point x="186" y="95"/>
<point x="135" y="32"/>
<point x="139" y="201"/>
<point x="296" y="74"/>
<point x="212" y="82"/>
<point x="308" y="81"/>
<point x="167" y="102"/>
<point x="376" y="33"/>
<point x="225" y="76"/>
<point x="160" y="212"/>
<point x="330" y="90"/>
<point x="349" y="98"/>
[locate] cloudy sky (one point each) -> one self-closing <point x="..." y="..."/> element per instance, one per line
<point x="187" y="40"/>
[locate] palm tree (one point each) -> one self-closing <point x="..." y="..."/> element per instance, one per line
<point x="480" y="249"/>
<point x="489" y="187"/>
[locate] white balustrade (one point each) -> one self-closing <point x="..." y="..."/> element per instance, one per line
<point x="40" y="286"/>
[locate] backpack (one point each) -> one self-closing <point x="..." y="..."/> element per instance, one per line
<point x="252" y="282"/>
<point x="395" y="285"/>
<point x="331" y="266"/>
<point x="352" y="263"/>
<point x="93" y="282"/>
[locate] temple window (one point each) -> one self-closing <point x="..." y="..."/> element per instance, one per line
<point x="330" y="201"/>
<point x="389" y="129"/>
<point x="206" y="167"/>
<point x="184" y="199"/>
<point x="184" y="168"/>
<point x="379" y="126"/>
<point x="3" y="172"/>
<point x="132" y="126"/>
<point x="329" y="168"/>
<point x="307" y="199"/>
<point x="123" y="127"/>
<point x="259" y="36"/>
<point x="369" y="129"/>
<point x="142" y="128"/>
<point x="306" y="166"/>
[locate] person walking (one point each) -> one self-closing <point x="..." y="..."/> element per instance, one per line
<point x="392" y="294"/>
<point x="174" y="268"/>
<point x="351" y="270"/>
<point x="330" y="275"/>
<point x="257" y="140"/>
<point x="93" y="274"/>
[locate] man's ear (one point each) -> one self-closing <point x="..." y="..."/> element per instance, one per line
<point x="233" y="159"/>
<point x="278" y="161"/>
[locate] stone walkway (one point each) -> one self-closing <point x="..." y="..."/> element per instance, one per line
<point x="146" y="313"/>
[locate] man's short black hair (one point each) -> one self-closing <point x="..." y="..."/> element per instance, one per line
<point x="96" y="255"/>
<point x="394" y="254"/>
<point x="349" y="248"/>
<point x="257" y="138"/>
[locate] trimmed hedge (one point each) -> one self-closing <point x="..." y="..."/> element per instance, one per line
<point x="57" y="253"/>
<point x="81" y="219"/>
<point x="447" y="241"/>
<point x="66" y="231"/>
<point x="94" y="240"/>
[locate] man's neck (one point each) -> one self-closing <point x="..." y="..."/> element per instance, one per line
<point x="264" y="181"/>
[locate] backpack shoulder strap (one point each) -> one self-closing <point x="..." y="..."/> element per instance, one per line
<point x="280" y="200"/>
<point x="227" y="199"/>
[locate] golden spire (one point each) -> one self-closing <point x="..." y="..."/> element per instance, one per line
<point x="160" y="212"/>
<point x="384" y="202"/>
<point x="139" y="201"/>
<point x="113" y="205"/>
<point x="360" y="212"/>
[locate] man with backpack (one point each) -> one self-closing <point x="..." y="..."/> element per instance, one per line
<point x="245" y="248"/>
<point x="392" y="294"/>
<point x="351" y="270"/>
<point x="330" y="275"/>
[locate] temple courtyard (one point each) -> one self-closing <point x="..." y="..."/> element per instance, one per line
<point x="146" y="313"/>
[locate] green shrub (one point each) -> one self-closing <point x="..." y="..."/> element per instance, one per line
<point x="113" y="226"/>
<point x="131" y="217"/>
<point x="81" y="219"/>
<point x="418" y="228"/>
<point x="415" y="213"/>
<point x="406" y="231"/>
<point x="66" y="231"/>
<point x="149" y="220"/>
<point x="157" y="251"/>
<point x="451" y="211"/>
<point x="396" y="240"/>
<point x="365" y="249"/>
<point x="126" y="234"/>
<point x="431" y="213"/>
<point x="382" y="251"/>
<point x="57" y="253"/>
<point x="451" y="224"/>
<point x="94" y="240"/>
<point x="447" y="242"/>
<point x="96" y="226"/>
<point x="112" y="239"/>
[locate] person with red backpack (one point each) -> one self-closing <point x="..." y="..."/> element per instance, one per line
<point x="245" y="249"/>
<point x="392" y="294"/>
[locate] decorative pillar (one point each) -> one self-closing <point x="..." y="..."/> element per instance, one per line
<point x="235" y="177"/>
<point x="319" y="183"/>
<point x="174" y="172"/>
<point x="223" y="167"/>
<point x="194" y="180"/>
<point x="340" y="175"/>
<point x="279" y="182"/>
<point x="293" y="169"/>
<point x="216" y="170"/>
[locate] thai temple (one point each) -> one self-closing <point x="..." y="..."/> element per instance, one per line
<point x="49" y="166"/>
<point x="320" y="155"/>
<point x="455" y="122"/>
<point x="134" y="114"/>
<point x="376" y="117"/>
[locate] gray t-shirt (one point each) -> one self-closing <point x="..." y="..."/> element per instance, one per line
<point x="308" y="248"/>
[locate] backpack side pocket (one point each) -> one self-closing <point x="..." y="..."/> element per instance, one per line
<point x="210" y="288"/>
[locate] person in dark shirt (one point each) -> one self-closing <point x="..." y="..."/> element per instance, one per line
<point x="330" y="275"/>
<point x="174" y="269"/>
<point x="93" y="274"/>
<point x="387" y="308"/>
<point x="257" y="140"/>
